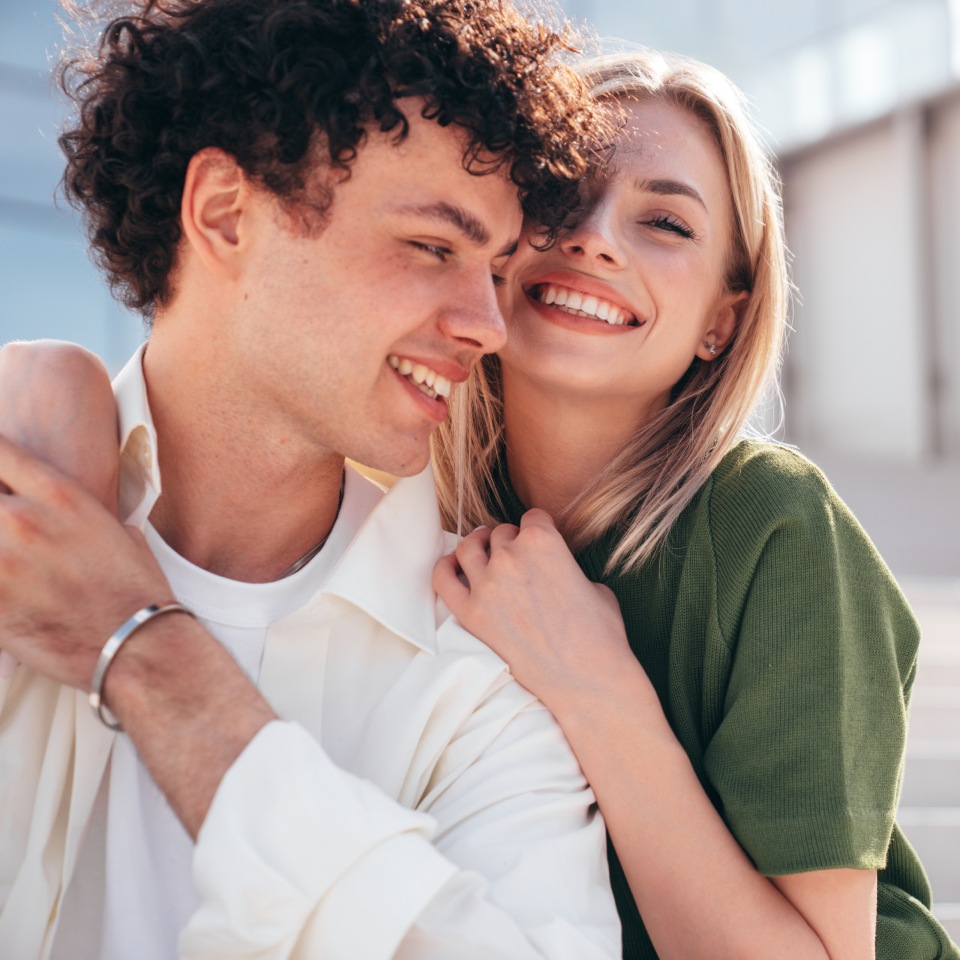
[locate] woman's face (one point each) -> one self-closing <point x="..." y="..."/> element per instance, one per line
<point x="622" y="304"/>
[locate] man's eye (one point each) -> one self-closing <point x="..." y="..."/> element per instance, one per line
<point x="441" y="253"/>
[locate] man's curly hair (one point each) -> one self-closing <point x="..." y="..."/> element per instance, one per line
<point x="283" y="85"/>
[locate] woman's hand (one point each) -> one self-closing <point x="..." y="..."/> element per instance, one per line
<point x="520" y="590"/>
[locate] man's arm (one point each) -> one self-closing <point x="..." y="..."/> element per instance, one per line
<point x="58" y="403"/>
<point x="70" y="575"/>
<point x="295" y="857"/>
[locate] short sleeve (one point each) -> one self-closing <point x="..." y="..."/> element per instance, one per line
<point x="807" y="758"/>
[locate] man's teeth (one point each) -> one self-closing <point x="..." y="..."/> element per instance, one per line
<point x="584" y="305"/>
<point x="420" y="375"/>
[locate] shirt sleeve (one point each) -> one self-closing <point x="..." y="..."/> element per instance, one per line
<point x="298" y="858"/>
<point x="807" y="758"/>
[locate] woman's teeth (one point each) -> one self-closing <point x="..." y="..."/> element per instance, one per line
<point x="584" y="305"/>
<point x="429" y="381"/>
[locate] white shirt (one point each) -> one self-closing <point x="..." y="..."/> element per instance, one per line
<point x="416" y="802"/>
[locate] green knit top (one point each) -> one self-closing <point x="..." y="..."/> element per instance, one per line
<point x="783" y="654"/>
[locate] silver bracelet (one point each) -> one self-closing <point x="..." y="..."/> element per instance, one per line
<point x="109" y="651"/>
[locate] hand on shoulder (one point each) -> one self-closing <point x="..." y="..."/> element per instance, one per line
<point x="520" y="590"/>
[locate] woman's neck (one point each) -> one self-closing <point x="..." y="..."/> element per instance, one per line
<point x="557" y="444"/>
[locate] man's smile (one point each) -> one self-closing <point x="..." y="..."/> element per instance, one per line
<point x="420" y="375"/>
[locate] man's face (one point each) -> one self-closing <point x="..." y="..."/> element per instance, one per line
<point x="331" y="333"/>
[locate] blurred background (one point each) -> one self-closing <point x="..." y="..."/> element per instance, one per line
<point x="860" y="100"/>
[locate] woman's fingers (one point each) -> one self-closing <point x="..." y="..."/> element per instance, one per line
<point x="535" y="517"/>
<point x="457" y="577"/>
<point x="449" y="583"/>
<point x="473" y="554"/>
<point x="502" y="535"/>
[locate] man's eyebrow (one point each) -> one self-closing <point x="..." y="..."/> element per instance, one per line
<point x="449" y="213"/>
<point x="666" y="187"/>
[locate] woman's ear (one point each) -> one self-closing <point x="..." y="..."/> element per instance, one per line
<point x="215" y="191"/>
<point x="723" y="325"/>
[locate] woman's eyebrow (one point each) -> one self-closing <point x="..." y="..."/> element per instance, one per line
<point x="666" y="187"/>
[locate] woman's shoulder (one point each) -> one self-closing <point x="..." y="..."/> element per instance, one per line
<point x="767" y="462"/>
<point x="762" y="485"/>
<point x="772" y="517"/>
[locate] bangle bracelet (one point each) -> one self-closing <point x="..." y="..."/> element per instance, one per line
<point x="109" y="651"/>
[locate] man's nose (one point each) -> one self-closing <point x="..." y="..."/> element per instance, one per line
<point x="475" y="318"/>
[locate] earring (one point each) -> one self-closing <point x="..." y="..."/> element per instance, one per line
<point x="712" y="347"/>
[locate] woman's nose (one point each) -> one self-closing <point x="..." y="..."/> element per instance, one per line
<point x="594" y="238"/>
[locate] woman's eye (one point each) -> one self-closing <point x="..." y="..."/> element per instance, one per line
<point x="499" y="281"/>
<point x="441" y="253"/>
<point x="671" y="224"/>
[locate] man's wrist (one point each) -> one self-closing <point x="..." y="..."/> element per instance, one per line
<point x="112" y="647"/>
<point x="188" y="708"/>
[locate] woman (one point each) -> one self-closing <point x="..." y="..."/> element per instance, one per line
<point x="735" y="686"/>
<point x="743" y="723"/>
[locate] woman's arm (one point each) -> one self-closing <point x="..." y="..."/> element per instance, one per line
<point x="56" y="401"/>
<point x="698" y="892"/>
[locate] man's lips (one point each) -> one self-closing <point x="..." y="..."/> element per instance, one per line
<point x="428" y="380"/>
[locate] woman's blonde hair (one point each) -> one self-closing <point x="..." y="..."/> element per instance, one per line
<point x="646" y="487"/>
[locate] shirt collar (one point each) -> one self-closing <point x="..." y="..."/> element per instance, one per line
<point x="388" y="544"/>
<point x="139" y="470"/>
<point x="387" y="568"/>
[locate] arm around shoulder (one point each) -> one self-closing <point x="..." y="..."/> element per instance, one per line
<point x="56" y="401"/>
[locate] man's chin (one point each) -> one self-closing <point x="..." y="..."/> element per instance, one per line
<point x="381" y="477"/>
<point x="387" y="472"/>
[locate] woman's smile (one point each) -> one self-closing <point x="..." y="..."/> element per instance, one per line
<point x="581" y="302"/>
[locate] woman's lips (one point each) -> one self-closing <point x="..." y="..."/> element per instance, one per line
<point x="580" y="303"/>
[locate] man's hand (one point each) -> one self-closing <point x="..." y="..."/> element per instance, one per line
<point x="70" y="574"/>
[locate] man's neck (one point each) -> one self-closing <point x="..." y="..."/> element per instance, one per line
<point x="238" y="498"/>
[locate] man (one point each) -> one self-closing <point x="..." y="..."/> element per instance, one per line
<point x="309" y="198"/>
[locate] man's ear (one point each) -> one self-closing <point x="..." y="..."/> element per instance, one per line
<point x="215" y="191"/>
<point x="723" y="326"/>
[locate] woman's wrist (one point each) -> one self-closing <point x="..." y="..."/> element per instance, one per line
<point x="611" y="693"/>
